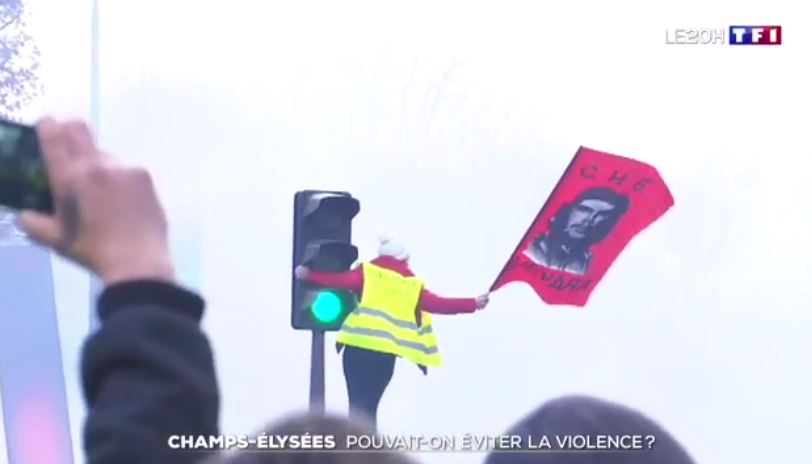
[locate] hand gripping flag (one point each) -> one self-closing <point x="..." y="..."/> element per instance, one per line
<point x="600" y="203"/>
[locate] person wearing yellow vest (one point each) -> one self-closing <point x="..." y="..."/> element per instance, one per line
<point x="392" y="320"/>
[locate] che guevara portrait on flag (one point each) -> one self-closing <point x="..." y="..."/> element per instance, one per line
<point x="575" y="228"/>
<point x="600" y="203"/>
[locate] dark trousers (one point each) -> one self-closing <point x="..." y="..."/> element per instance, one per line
<point x="367" y="373"/>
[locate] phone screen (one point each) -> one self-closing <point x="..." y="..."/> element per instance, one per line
<point x="23" y="179"/>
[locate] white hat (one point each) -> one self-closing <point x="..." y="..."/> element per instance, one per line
<point x="390" y="247"/>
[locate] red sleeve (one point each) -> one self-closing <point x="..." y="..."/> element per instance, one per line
<point x="350" y="280"/>
<point x="436" y="304"/>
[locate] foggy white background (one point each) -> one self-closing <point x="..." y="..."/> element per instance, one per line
<point x="451" y="122"/>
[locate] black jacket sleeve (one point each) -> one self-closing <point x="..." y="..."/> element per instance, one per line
<point x="147" y="374"/>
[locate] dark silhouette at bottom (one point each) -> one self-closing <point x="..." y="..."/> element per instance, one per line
<point x="588" y="416"/>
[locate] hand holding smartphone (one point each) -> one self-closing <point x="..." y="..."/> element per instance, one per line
<point x="23" y="178"/>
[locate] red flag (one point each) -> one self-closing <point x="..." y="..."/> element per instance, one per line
<point x="600" y="203"/>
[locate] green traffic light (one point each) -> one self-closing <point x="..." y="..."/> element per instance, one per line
<point x="326" y="307"/>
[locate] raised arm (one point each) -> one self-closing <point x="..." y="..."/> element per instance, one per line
<point x="436" y="304"/>
<point x="350" y="280"/>
<point x="148" y="374"/>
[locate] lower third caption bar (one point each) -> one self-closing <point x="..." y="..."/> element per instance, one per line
<point x="414" y="443"/>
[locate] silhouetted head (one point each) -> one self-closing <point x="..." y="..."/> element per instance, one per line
<point x="590" y="218"/>
<point x="315" y="424"/>
<point x="582" y="415"/>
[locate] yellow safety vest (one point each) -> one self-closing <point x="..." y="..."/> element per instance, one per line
<point x="384" y="320"/>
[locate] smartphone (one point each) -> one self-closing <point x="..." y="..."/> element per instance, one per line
<point x="23" y="179"/>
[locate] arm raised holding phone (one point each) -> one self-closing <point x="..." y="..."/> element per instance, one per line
<point x="148" y="372"/>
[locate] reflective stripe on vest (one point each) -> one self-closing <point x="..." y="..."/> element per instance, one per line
<point x="385" y="318"/>
<point x="388" y="336"/>
<point x="426" y="329"/>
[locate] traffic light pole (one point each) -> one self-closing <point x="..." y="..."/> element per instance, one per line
<point x="317" y="372"/>
<point x="322" y="240"/>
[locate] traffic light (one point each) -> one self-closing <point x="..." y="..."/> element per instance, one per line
<point x="322" y="241"/>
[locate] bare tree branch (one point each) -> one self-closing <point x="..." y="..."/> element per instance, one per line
<point x="16" y="15"/>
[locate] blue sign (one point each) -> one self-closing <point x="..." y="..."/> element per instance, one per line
<point x="32" y="382"/>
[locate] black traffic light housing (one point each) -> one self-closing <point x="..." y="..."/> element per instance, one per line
<point x="322" y="241"/>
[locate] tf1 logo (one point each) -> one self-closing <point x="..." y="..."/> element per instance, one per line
<point x="733" y="35"/>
